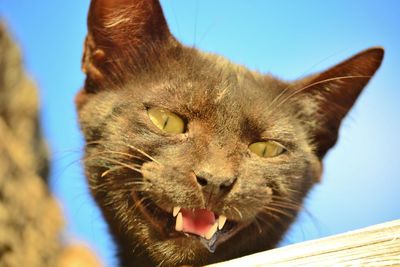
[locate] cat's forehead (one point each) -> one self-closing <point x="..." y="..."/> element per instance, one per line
<point x="206" y="82"/>
<point x="224" y="97"/>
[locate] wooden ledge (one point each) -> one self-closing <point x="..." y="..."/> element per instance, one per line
<point x="377" y="245"/>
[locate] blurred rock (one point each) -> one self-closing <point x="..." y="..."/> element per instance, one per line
<point x="30" y="218"/>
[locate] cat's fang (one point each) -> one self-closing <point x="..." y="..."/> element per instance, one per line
<point x="211" y="231"/>
<point x="175" y="211"/>
<point x="221" y="221"/>
<point x="179" y="222"/>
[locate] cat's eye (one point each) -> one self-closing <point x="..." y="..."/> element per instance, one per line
<point x="166" y="121"/>
<point x="267" y="149"/>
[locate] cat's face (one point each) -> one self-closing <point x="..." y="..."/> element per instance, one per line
<point x="210" y="162"/>
<point x="194" y="159"/>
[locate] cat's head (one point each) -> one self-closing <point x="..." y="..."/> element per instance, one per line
<point x="194" y="159"/>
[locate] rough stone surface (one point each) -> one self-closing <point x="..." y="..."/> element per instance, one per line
<point x="30" y="218"/>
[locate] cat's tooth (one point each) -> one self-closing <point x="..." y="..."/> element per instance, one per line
<point x="179" y="222"/>
<point x="221" y="221"/>
<point x="175" y="211"/>
<point x="212" y="231"/>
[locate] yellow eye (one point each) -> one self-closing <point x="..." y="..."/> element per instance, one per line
<point x="267" y="149"/>
<point x="166" y="120"/>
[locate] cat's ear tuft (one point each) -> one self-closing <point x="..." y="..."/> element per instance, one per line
<point x="121" y="30"/>
<point x="335" y="91"/>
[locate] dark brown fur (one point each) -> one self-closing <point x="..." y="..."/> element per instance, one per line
<point x="132" y="63"/>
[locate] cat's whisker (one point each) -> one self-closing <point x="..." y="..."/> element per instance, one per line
<point x="124" y="144"/>
<point x="293" y="190"/>
<point x="117" y="153"/>
<point x="228" y="212"/>
<point x="59" y="173"/>
<point x="135" y="247"/>
<point x="279" y="211"/>
<point x="277" y="205"/>
<point x="285" y="198"/>
<point x="264" y="221"/>
<point x="285" y="204"/>
<point x="135" y="183"/>
<point x="286" y="201"/>
<point x="144" y="153"/>
<point x="139" y="202"/>
<point x="126" y="187"/>
<point x="195" y="23"/>
<point x="98" y="155"/>
<point x="209" y="28"/>
<point x="270" y="214"/>
<point x="276" y="98"/>
<point x="238" y="212"/>
<point x="258" y="225"/>
<point x="298" y="91"/>
<point x="110" y="170"/>
<point x="121" y="164"/>
<point x="290" y="85"/>
<point x="161" y="263"/>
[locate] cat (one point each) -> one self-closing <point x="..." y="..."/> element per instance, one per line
<point x="194" y="159"/>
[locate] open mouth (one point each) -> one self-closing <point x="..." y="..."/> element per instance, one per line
<point x="210" y="228"/>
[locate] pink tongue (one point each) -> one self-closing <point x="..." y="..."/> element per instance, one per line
<point x="197" y="221"/>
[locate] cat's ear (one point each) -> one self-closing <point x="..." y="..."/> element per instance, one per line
<point x="333" y="93"/>
<point x="120" y="31"/>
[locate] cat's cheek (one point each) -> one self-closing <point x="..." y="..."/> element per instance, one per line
<point x="317" y="169"/>
<point x="80" y="99"/>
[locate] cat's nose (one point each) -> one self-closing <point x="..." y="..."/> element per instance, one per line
<point x="214" y="188"/>
<point x="216" y="184"/>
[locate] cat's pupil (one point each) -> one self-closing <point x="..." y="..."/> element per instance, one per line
<point x="267" y="149"/>
<point x="166" y="122"/>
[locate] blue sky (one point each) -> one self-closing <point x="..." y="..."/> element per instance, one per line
<point x="361" y="181"/>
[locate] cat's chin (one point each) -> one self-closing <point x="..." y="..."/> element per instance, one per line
<point x="170" y="225"/>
